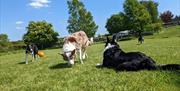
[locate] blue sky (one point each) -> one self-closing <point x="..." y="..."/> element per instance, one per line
<point x="15" y="14"/>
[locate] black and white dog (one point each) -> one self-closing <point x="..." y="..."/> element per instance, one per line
<point x="141" y="39"/>
<point x="115" y="57"/>
<point x="33" y="49"/>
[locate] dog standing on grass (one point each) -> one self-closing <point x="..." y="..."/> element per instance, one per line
<point x="141" y="39"/>
<point x="73" y="44"/>
<point x="33" y="49"/>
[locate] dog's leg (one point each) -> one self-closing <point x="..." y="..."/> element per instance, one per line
<point x="80" y="56"/>
<point x="32" y="55"/>
<point x="26" y="58"/>
<point x="35" y="57"/>
<point x="84" y="55"/>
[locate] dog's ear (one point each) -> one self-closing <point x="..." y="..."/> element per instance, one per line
<point x="73" y="52"/>
<point x="114" y="42"/>
<point x="61" y="54"/>
<point x="114" y="39"/>
<point x="107" y="41"/>
<point x="64" y="56"/>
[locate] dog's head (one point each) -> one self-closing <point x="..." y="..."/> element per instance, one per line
<point x="111" y="42"/>
<point x="29" y="49"/>
<point x="111" y="47"/>
<point x="69" y="56"/>
<point x="91" y="41"/>
<point x="69" y="53"/>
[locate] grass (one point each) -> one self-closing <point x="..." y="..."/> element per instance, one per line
<point x="51" y="73"/>
<point x="168" y="32"/>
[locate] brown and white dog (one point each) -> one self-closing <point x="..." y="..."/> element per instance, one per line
<point x="76" y="42"/>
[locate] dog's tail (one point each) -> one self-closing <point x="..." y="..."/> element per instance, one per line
<point x="169" y="67"/>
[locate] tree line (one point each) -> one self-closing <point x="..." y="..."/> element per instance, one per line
<point x="43" y="34"/>
<point x="137" y="16"/>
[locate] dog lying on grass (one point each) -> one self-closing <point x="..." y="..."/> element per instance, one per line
<point x="115" y="57"/>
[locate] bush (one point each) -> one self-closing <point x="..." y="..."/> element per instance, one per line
<point x="11" y="46"/>
<point x="154" y="27"/>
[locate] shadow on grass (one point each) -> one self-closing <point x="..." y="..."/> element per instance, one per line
<point x="22" y="63"/>
<point x="60" y="66"/>
<point x="25" y="62"/>
<point x="165" y="37"/>
<point x="150" y="38"/>
<point x="140" y="43"/>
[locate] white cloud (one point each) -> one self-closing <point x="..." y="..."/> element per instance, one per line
<point x="19" y="28"/>
<point x="39" y="3"/>
<point x="19" y="22"/>
<point x="19" y="25"/>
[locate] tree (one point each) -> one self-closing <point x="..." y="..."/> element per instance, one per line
<point x="151" y="7"/>
<point x="156" y="23"/>
<point x="40" y="33"/>
<point x="80" y="19"/>
<point x="154" y="27"/>
<point x="138" y="17"/>
<point x="176" y="18"/>
<point x="4" y="38"/>
<point x="4" y="41"/>
<point x="116" y="23"/>
<point x="166" y="16"/>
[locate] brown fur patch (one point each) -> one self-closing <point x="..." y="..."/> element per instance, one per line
<point x="72" y="39"/>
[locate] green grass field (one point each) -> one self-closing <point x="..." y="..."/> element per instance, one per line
<point x="51" y="73"/>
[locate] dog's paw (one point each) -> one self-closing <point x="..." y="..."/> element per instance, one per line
<point x="98" y="65"/>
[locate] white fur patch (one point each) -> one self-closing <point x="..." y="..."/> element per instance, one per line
<point x="98" y="64"/>
<point x="68" y="54"/>
<point x="108" y="47"/>
<point x="68" y="47"/>
<point x="91" y="40"/>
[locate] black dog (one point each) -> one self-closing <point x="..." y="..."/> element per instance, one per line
<point x="141" y="39"/>
<point x="116" y="58"/>
<point x="33" y="49"/>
